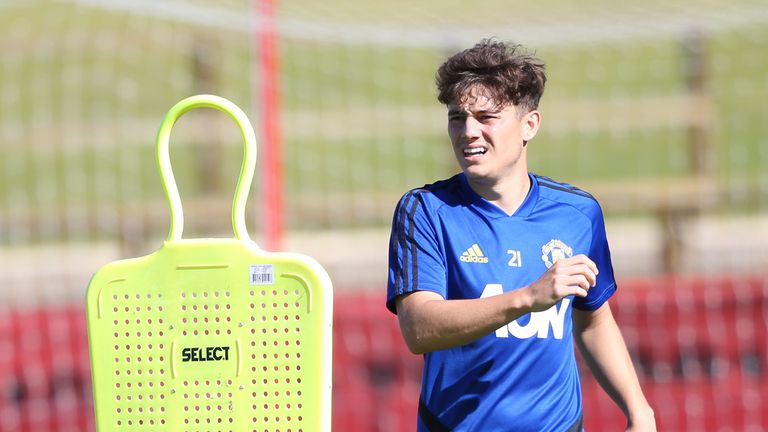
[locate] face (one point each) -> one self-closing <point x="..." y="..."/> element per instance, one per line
<point x="489" y="141"/>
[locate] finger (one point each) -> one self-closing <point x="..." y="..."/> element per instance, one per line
<point x="576" y="281"/>
<point x="580" y="287"/>
<point x="579" y="291"/>
<point x="589" y="273"/>
<point x="583" y="265"/>
<point x="586" y="260"/>
<point x="581" y="270"/>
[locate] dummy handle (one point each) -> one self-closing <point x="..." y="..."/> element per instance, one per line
<point x="246" y="169"/>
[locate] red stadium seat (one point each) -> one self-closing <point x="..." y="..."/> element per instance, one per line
<point x="700" y="347"/>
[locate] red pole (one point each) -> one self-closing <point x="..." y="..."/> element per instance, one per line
<point x="272" y="171"/>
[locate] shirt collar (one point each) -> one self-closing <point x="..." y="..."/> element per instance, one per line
<point x="492" y="210"/>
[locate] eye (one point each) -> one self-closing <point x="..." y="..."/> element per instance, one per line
<point x="487" y="118"/>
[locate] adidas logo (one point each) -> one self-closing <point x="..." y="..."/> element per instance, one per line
<point x="474" y="255"/>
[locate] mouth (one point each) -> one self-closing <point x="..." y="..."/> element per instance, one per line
<point x="474" y="151"/>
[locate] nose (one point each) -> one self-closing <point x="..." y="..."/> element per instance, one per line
<point x="471" y="127"/>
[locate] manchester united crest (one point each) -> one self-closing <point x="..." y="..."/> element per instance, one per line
<point x="555" y="250"/>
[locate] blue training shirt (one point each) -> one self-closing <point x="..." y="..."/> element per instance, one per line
<point x="447" y="239"/>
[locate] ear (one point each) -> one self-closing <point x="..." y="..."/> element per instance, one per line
<point x="530" y="125"/>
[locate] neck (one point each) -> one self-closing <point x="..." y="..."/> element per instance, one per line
<point x="508" y="194"/>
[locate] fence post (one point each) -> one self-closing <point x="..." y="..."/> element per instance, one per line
<point x="700" y="157"/>
<point x="696" y="77"/>
<point x="205" y="79"/>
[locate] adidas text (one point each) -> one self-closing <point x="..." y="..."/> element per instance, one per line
<point x="474" y="255"/>
<point x="474" y="259"/>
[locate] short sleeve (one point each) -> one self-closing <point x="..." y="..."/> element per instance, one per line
<point x="600" y="253"/>
<point x="415" y="258"/>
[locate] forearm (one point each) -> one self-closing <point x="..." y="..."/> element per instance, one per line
<point x="604" y="350"/>
<point x="430" y="323"/>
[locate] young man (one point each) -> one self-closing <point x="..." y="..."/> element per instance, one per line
<point x="494" y="272"/>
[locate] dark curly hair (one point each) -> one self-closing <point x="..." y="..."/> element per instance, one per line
<point x="502" y="72"/>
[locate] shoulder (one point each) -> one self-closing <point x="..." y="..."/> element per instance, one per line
<point x="433" y="195"/>
<point x="568" y="195"/>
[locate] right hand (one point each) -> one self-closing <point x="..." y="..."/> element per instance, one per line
<point x="567" y="276"/>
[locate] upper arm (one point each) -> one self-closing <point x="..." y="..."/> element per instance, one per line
<point x="409" y="304"/>
<point x="589" y="319"/>
<point x="410" y="309"/>
<point x="416" y="258"/>
<point x="596" y="333"/>
<point x="600" y="253"/>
